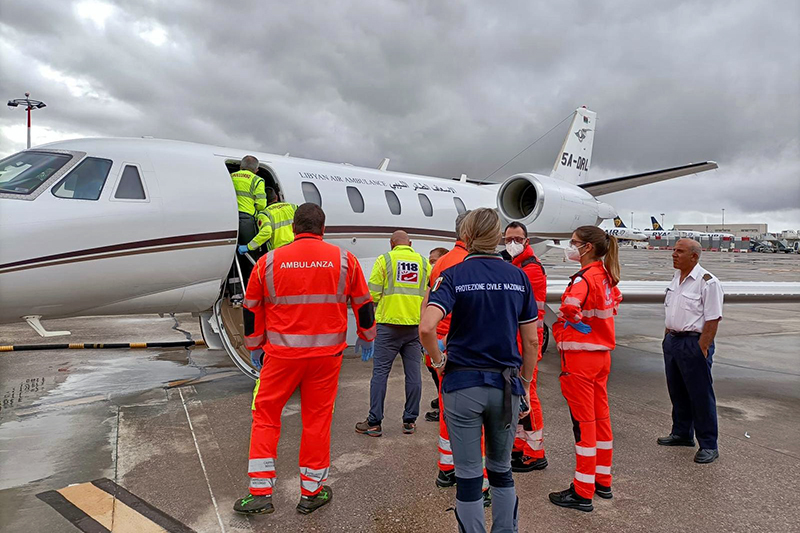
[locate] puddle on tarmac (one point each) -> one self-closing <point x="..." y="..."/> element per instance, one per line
<point x="57" y="430"/>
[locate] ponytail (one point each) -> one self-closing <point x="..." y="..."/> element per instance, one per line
<point x="611" y="260"/>
<point x="605" y="246"/>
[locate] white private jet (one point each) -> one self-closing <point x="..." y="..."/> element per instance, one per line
<point x="128" y="226"/>
<point x="623" y="233"/>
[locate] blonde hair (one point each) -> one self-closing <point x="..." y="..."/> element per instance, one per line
<point x="604" y="246"/>
<point x="481" y="230"/>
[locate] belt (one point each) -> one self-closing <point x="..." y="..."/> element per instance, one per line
<point x="508" y="374"/>
<point x="683" y="333"/>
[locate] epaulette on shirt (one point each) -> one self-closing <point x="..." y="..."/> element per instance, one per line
<point x="707" y="277"/>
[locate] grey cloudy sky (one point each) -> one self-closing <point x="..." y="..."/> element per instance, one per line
<point x="440" y="87"/>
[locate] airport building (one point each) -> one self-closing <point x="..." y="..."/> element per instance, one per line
<point x="738" y="230"/>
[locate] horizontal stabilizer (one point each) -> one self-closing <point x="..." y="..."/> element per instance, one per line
<point x="599" y="188"/>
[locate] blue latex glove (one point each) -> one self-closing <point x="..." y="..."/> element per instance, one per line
<point x="242" y="249"/>
<point x="441" y="345"/>
<point x="367" y="349"/>
<point x="257" y="358"/>
<point x="580" y="327"/>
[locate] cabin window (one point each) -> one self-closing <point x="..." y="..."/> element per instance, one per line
<point x="460" y="207"/>
<point x="24" y="172"/>
<point x="85" y="181"/>
<point x="130" y="185"/>
<point x="425" y="203"/>
<point x="356" y="200"/>
<point x="311" y="193"/>
<point x="393" y="201"/>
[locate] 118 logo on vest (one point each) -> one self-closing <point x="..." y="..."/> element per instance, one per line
<point x="407" y="272"/>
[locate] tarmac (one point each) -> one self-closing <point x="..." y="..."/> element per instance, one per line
<point x="157" y="440"/>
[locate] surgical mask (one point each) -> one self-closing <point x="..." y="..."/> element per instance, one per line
<point x="514" y="248"/>
<point x="573" y="253"/>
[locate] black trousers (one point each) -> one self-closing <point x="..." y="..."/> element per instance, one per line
<point x="694" y="406"/>
<point x="247" y="230"/>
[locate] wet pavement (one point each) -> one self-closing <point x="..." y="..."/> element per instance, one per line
<point x="131" y="417"/>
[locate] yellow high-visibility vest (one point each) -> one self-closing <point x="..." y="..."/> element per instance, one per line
<point x="398" y="284"/>
<point x="250" y="193"/>
<point x="274" y="226"/>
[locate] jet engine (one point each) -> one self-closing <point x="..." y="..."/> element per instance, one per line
<point x="549" y="207"/>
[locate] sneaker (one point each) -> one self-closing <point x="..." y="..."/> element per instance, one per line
<point x="366" y="428"/>
<point x="570" y="499"/>
<point x="409" y="428"/>
<point x="487" y="498"/>
<point x="527" y="464"/>
<point x="446" y="479"/>
<point x="674" y="440"/>
<point x="435" y="403"/>
<point x="309" y="504"/>
<point x="432" y="416"/>
<point x="603" y="491"/>
<point x="251" y="504"/>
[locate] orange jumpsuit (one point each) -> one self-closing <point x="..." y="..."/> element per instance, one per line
<point x="590" y="298"/>
<point x="453" y="257"/>
<point x="529" y="429"/>
<point x="298" y="294"/>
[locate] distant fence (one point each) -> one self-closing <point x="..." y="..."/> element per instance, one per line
<point x="723" y="244"/>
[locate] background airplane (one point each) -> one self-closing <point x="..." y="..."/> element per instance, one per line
<point x="621" y="232"/>
<point x="689" y="234"/>
<point x="128" y="226"/>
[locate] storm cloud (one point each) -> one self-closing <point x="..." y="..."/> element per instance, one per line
<point x="442" y="88"/>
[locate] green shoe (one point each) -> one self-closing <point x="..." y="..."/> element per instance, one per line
<point x="309" y="504"/>
<point x="254" y="505"/>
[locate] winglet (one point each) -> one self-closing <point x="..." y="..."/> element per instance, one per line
<point x="384" y="164"/>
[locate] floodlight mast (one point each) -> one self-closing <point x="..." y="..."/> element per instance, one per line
<point x="30" y="105"/>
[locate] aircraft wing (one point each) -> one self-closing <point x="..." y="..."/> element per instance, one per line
<point x="651" y="292"/>
<point x="599" y="188"/>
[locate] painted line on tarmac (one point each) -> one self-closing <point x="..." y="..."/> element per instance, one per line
<point x="102" y="506"/>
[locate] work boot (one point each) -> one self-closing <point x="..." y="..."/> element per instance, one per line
<point x="432" y="416"/>
<point x="487" y="498"/>
<point x="309" y="504"/>
<point x="435" y="403"/>
<point x="705" y="456"/>
<point x="251" y="504"/>
<point x="516" y="454"/>
<point x="527" y="464"/>
<point x="409" y="428"/>
<point x="446" y="479"/>
<point x="570" y="499"/>
<point x="603" y="491"/>
<point x="674" y="440"/>
<point x="368" y="428"/>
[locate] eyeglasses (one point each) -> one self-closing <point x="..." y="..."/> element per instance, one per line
<point x="518" y="240"/>
<point x="576" y="244"/>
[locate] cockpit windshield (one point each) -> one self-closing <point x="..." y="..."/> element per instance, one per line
<point x="24" y="172"/>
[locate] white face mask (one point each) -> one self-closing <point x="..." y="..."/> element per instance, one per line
<point x="573" y="253"/>
<point x="514" y="248"/>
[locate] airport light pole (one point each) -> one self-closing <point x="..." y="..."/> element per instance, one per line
<point x="631" y="219"/>
<point x="30" y="105"/>
<point x="662" y="221"/>
<point x="723" y="218"/>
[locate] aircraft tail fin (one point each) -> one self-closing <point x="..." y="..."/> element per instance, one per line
<point x="572" y="163"/>
<point x="656" y="224"/>
<point x="618" y="223"/>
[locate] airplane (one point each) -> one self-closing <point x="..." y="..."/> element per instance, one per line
<point x="690" y="234"/>
<point x="118" y="226"/>
<point x="623" y="233"/>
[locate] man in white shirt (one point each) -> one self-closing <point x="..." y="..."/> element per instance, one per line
<point x="693" y="306"/>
